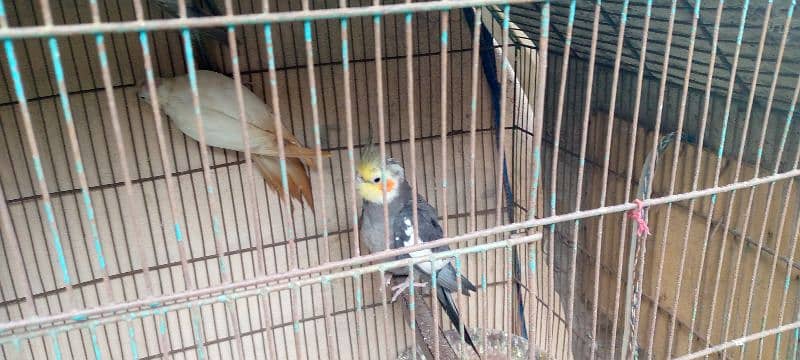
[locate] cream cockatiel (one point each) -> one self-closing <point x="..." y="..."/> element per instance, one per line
<point x="220" y="113"/>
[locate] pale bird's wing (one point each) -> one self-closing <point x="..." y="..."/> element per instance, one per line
<point x="223" y="128"/>
<point x="220" y="130"/>
<point x="217" y="89"/>
<point x="224" y="131"/>
<point x="220" y="115"/>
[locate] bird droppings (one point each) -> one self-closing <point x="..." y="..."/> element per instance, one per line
<point x="493" y="349"/>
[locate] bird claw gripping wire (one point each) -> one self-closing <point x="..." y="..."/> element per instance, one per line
<point x="399" y="288"/>
<point x="636" y="215"/>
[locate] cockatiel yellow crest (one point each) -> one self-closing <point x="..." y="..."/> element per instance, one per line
<point x="371" y="178"/>
<point x="222" y="127"/>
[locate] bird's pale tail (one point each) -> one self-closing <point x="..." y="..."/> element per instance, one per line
<point x="297" y="178"/>
<point x="309" y="156"/>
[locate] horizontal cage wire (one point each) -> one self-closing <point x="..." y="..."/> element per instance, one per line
<point x="563" y="179"/>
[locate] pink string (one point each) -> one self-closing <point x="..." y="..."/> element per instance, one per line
<point x="636" y="214"/>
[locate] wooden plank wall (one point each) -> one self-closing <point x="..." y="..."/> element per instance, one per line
<point x="587" y="238"/>
<point x="671" y="235"/>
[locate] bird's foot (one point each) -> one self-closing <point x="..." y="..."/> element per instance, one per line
<point x="399" y="288"/>
<point x="387" y="279"/>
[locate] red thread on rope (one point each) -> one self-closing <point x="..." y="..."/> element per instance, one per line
<point x="636" y="214"/>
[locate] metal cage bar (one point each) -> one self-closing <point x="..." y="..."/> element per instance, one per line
<point x="672" y="178"/>
<point x="628" y="186"/>
<point x="345" y="286"/>
<point x="719" y="156"/>
<point x="604" y="181"/>
<point x="698" y="159"/>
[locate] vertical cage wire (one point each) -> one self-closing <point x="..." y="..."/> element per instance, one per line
<point x="673" y="173"/>
<point x="628" y="184"/>
<point x="584" y="135"/>
<point x="604" y="181"/>
<point x="698" y="159"/>
<point x="773" y="87"/>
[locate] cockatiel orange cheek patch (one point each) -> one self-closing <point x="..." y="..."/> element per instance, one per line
<point x="389" y="185"/>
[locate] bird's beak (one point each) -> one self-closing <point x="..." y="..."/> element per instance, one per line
<point x="359" y="180"/>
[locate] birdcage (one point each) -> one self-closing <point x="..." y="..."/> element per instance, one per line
<point x="616" y="178"/>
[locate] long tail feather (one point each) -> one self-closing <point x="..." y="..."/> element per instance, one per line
<point x="297" y="178"/>
<point x="447" y="279"/>
<point x="446" y="300"/>
<point x="309" y="156"/>
<point x="300" y="180"/>
<point x="270" y="170"/>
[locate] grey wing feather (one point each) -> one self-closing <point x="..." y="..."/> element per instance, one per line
<point x="192" y="10"/>
<point x="429" y="230"/>
<point x="212" y="7"/>
<point x="218" y="34"/>
<point x="446" y="278"/>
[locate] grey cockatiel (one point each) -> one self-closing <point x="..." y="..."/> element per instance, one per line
<point x="401" y="229"/>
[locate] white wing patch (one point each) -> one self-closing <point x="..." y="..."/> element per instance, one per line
<point x="409" y="232"/>
<point x="425" y="266"/>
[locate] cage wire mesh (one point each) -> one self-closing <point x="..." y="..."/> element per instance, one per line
<point x="617" y="178"/>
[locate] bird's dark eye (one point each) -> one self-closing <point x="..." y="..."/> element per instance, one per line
<point x="376" y="180"/>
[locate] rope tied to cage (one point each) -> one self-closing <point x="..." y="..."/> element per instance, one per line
<point x="636" y="298"/>
<point x="639" y="234"/>
<point x="636" y="214"/>
<point x="642" y="231"/>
